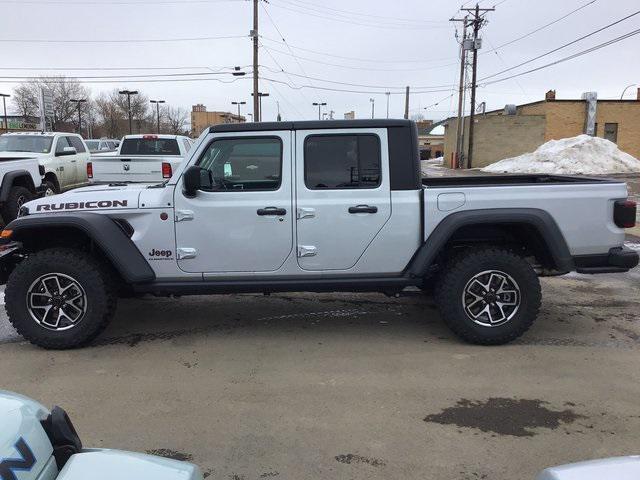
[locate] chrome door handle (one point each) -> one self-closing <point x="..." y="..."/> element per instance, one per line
<point x="274" y="211"/>
<point x="363" y="209"/>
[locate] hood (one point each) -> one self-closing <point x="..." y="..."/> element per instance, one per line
<point x="98" y="197"/>
<point x="20" y="155"/>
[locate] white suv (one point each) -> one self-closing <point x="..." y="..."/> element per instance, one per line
<point x="63" y="156"/>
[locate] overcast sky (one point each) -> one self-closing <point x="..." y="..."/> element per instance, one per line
<point x="383" y="43"/>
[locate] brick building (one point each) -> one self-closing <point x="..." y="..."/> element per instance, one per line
<point x="201" y="119"/>
<point x="520" y="129"/>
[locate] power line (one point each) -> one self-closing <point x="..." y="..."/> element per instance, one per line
<point x="358" y="59"/>
<point x="353" y="67"/>
<point x="532" y="32"/>
<point x="134" y="40"/>
<point x="354" y="22"/>
<point x="111" y="77"/>
<point x="163" y="80"/>
<point x="67" y="69"/>
<point x="360" y="14"/>
<point x="288" y="47"/>
<point x="329" y="89"/>
<point x="562" y="46"/>
<point x="108" y="3"/>
<point x="570" y="57"/>
<point x="385" y="87"/>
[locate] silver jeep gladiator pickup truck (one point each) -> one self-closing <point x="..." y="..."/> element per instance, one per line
<point x="310" y="206"/>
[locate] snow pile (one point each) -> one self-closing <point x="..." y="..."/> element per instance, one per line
<point x="426" y="165"/>
<point x="583" y="154"/>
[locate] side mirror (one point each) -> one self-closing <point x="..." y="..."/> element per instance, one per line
<point x="194" y="179"/>
<point x="66" y="151"/>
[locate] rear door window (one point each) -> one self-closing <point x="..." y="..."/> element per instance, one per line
<point x="150" y="146"/>
<point x="342" y="161"/>
<point x="77" y="144"/>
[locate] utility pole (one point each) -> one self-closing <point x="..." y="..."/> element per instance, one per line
<point x="373" y="107"/>
<point x="478" y="20"/>
<point x="256" y="86"/>
<point x="128" y="93"/>
<point x="406" y="104"/>
<point x="79" y="103"/>
<point x="279" y="117"/>
<point x="157" y="102"/>
<point x="4" y="104"/>
<point x="388" y="94"/>
<point x="457" y="157"/>
<point x="319" y="105"/>
<point x="238" y="104"/>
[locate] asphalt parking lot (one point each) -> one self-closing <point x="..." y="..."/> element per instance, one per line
<point x="299" y="386"/>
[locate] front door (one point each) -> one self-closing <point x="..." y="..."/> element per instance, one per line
<point x="244" y="222"/>
<point x="343" y="195"/>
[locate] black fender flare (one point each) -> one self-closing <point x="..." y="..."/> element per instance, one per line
<point x="101" y="229"/>
<point x="541" y="220"/>
<point x="8" y="180"/>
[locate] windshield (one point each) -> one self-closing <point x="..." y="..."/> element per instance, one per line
<point x="150" y="146"/>
<point x="25" y="143"/>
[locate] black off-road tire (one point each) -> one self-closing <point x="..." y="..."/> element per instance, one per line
<point x="17" y="197"/>
<point x="462" y="269"/>
<point x="93" y="276"/>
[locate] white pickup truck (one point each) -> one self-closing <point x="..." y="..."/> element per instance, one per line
<point x="62" y="156"/>
<point x="20" y="181"/>
<point x="311" y="206"/>
<point x="140" y="158"/>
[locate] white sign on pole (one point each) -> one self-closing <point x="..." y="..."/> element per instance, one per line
<point x="46" y="108"/>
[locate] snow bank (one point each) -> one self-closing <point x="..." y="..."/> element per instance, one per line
<point x="583" y="154"/>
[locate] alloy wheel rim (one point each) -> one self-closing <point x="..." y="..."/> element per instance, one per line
<point x="56" y="301"/>
<point x="491" y="298"/>
<point x="21" y="201"/>
<point x="49" y="192"/>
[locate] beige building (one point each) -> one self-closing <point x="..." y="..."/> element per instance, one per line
<point x="502" y="133"/>
<point x="201" y="119"/>
<point x="430" y="139"/>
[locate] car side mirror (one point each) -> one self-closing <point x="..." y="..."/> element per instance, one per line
<point x="66" y="151"/>
<point x="196" y="178"/>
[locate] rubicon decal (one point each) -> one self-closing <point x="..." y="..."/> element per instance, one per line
<point x="51" y="207"/>
<point x="26" y="461"/>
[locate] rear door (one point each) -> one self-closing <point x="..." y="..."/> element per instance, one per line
<point x="343" y="195"/>
<point x="81" y="158"/>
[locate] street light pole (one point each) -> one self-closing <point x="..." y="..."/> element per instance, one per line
<point x="319" y="105"/>
<point x="238" y="104"/>
<point x="373" y="107"/>
<point x="4" y="104"/>
<point x="388" y="94"/>
<point x="79" y="103"/>
<point x="158" y="102"/>
<point x="128" y="93"/>
<point x="260" y="95"/>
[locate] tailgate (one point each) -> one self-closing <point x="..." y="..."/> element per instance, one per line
<point x="131" y="168"/>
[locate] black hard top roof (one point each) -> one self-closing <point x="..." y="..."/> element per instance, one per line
<point x="309" y="125"/>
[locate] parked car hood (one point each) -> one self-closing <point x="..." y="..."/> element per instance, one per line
<point x="20" y="155"/>
<point x="98" y="197"/>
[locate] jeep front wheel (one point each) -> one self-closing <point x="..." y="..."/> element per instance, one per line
<point x="60" y="298"/>
<point x="489" y="296"/>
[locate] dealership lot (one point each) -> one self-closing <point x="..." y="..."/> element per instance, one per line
<point x="351" y="386"/>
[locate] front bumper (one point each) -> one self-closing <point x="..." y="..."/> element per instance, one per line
<point x="619" y="259"/>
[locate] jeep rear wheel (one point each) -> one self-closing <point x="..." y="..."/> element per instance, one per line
<point x="18" y="196"/>
<point x="60" y="298"/>
<point x="489" y="296"/>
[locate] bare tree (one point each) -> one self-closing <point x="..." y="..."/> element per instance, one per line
<point x="111" y="117"/>
<point x="176" y="120"/>
<point x="63" y="89"/>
